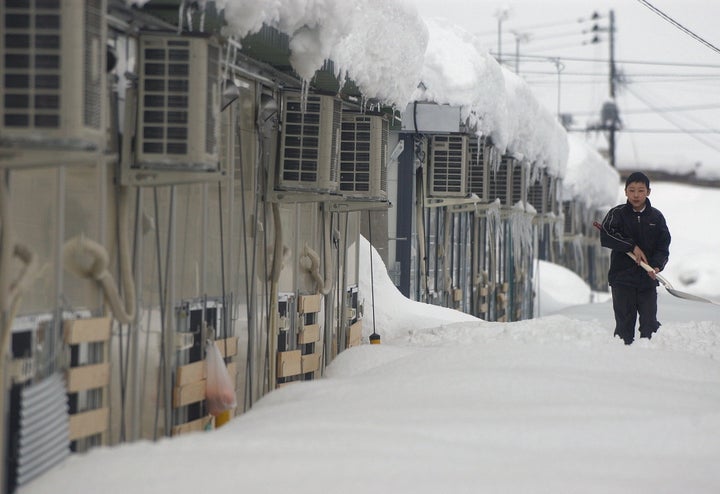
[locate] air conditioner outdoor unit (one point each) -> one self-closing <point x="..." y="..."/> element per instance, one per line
<point x="518" y="191"/>
<point x="499" y="179"/>
<point x="483" y="157"/>
<point x="53" y="67"/>
<point x="309" y="144"/>
<point x="448" y="165"/>
<point x="363" y="156"/>
<point x="178" y="120"/>
<point x="538" y="195"/>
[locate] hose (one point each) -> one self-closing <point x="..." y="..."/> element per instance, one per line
<point x="78" y="249"/>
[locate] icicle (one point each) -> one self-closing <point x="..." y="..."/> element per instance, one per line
<point x="560" y="231"/>
<point x="521" y="232"/>
<point x="578" y="254"/>
<point x="181" y="14"/>
<point x="188" y="14"/>
<point x="304" y="93"/>
<point x="493" y="218"/>
<point x="202" y="21"/>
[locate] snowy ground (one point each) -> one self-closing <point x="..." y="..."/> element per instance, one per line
<point x="448" y="403"/>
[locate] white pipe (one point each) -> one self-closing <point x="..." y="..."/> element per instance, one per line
<point x="75" y="259"/>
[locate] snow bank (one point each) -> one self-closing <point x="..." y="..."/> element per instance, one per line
<point x="556" y="288"/>
<point x="393" y="312"/>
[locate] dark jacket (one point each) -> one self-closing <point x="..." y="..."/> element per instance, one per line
<point x="623" y="229"/>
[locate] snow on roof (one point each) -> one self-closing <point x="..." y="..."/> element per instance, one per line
<point x="392" y="54"/>
<point x="458" y="72"/>
<point x="379" y="44"/>
<point x="589" y="177"/>
<point x="534" y="133"/>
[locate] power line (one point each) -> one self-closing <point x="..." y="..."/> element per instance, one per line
<point x="669" y="109"/>
<point x="671" y="121"/>
<point x="670" y="131"/>
<point x="679" y="26"/>
<point x="538" y="26"/>
<point x="599" y="60"/>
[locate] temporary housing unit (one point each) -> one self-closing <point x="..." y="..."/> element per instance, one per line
<point x="469" y="212"/>
<point x="201" y="200"/>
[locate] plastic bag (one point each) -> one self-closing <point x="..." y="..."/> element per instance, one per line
<point x="219" y="391"/>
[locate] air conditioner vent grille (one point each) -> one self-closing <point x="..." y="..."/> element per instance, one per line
<point x="538" y="194"/>
<point x="179" y="105"/>
<point x="52" y="65"/>
<point x="363" y="156"/>
<point x="480" y="158"/>
<point x="94" y="19"/>
<point x="448" y="165"/>
<point x="498" y="186"/>
<point x="309" y="154"/>
<point x="166" y="98"/>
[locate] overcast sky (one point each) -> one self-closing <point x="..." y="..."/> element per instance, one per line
<point x="661" y="82"/>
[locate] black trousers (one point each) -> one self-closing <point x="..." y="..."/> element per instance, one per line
<point x="628" y="302"/>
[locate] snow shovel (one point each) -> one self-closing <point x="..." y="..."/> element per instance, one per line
<point x="661" y="279"/>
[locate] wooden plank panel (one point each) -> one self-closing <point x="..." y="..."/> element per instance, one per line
<point x="228" y="346"/>
<point x="309" y="303"/>
<point x="88" y="377"/>
<point x="232" y="371"/>
<point x="289" y="363"/>
<point x="191" y="373"/>
<point x="87" y="330"/>
<point x="200" y="424"/>
<point x="310" y="362"/>
<point x="355" y="334"/>
<point x="88" y="423"/>
<point x="309" y="334"/>
<point x="192" y="393"/>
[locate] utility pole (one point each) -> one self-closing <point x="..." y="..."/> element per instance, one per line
<point x="613" y="124"/>
<point x="501" y="14"/>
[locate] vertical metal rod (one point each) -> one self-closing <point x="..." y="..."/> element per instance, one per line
<point x="55" y="340"/>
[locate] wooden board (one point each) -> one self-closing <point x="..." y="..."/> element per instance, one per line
<point x="191" y="393"/>
<point x="310" y="362"/>
<point x="190" y="373"/>
<point x="88" y="377"/>
<point x="308" y="304"/>
<point x="289" y="363"/>
<point x="200" y="424"/>
<point x="88" y="423"/>
<point x="232" y="371"/>
<point x="309" y="334"/>
<point x="355" y="334"/>
<point x="228" y="346"/>
<point x="87" y="330"/>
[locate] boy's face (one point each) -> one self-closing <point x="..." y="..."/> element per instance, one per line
<point x="637" y="193"/>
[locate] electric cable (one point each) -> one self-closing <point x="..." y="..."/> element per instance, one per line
<point x="679" y="26"/>
<point x="667" y="118"/>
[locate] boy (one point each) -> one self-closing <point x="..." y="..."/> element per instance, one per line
<point x="639" y="228"/>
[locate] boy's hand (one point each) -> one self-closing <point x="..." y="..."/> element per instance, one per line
<point x="639" y="255"/>
<point x="651" y="274"/>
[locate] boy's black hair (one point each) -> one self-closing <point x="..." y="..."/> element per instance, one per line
<point x="638" y="177"/>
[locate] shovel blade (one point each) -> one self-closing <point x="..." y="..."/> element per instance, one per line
<point x="688" y="296"/>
